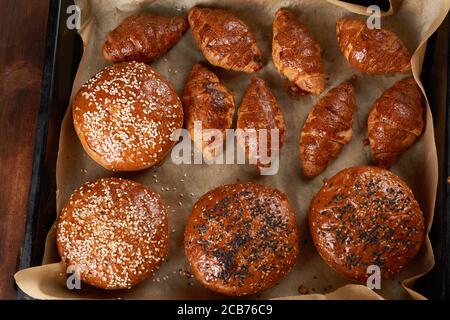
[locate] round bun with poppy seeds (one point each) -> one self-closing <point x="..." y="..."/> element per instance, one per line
<point x="366" y="216"/>
<point x="113" y="233"/>
<point x="241" y="239"/>
<point x="125" y="117"/>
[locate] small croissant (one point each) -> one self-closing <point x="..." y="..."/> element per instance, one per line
<point x="225" y="40"/>
<point x="206" y="99"/>
<point x="259" y="110"/>
<point x="296" y="54"/>
<point x="396" y="121"/>
<point x="327" y="129"/>
<point x="374" y="51"/>
<point x="143" y="37"/>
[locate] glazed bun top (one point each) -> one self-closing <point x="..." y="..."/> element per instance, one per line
<point x="241" y="239"/>
<point x="125" y="116"/>
<point x="113" y="232"/>
<point x="366" y="216"/>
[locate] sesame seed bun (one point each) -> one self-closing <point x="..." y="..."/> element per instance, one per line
<point x="241" y="239"/>
<point x="113" y="232"/>
<point x="366" y="216"/>
<point x="125" y="116"/>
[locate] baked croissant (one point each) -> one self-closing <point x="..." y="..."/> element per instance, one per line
<point x="259" y="110"/>
<point x="143" y="37"/>
<point x="396" y="121"/>
<point x="296" y="54"/>
<point x="225" y="40"/>
<point x="327" y="129"/>
<point x="374" y="51"/>
<point x="206" y="99"/>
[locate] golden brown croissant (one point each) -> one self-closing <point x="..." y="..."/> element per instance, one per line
<point x="260" y="110"/>
<point x="396" y="121"/>
<point x="375" y="51"/>
<point x="225" y="40"/>
<point x="296" y="54"/>
<point x="206" y="99"/>
<point x="144" y="38"/>
<point x="327" y="129"/>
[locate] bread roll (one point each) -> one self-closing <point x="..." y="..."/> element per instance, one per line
<point x="296" y="54"/>
<point x="374" y="51"/>
<point x="366" y="216"/>
<point x="396" y="121"/>
<point x="143" y="37"/>
<point x="113" y="233"/>
<point x="225" y="40"/>
<point x="327" y="129"/>
<point x="259" y="110"/>
<point x="125" y="117"/>
<point x="241" y="239"/>
<point x="206" y="99"/>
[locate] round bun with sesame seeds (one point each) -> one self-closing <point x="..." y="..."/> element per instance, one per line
<point x="366" y="216"/>
<point x="241" y="239"/>
<point x="113" y="233"/>
<point x="126" y="115"/>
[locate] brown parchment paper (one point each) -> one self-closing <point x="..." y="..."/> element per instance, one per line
<point x="413" y="21"/>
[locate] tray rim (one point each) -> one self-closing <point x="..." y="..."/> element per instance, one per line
<point x="41" y="134"/>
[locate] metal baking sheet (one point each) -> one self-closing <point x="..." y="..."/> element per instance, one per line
<point x="63" y="53"/>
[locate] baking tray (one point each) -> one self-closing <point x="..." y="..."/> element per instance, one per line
<point x="63" y="53"/>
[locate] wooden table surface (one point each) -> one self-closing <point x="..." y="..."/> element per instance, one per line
<point x="23" y="26"/>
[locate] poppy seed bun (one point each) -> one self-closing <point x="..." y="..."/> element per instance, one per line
<point x="366" y="216"/>
<point x="125" y="116"/>
<point x="113" y="232"/>
<point x="241" y="239"/>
